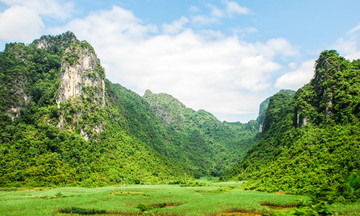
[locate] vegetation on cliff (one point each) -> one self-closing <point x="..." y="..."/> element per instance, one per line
<point x="310" y="143"/>
<point x="63" y="123"/>
<point x="76" y="142"/>
<point x="212" y="146"/>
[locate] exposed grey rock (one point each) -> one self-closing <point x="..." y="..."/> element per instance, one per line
<point x="81" y="77"/>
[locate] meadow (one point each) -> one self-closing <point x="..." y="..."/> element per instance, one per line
<point x="201" y="198"/>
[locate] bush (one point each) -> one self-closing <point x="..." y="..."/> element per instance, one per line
<point x="81" y="211"/>
<point x="143" y="207"/>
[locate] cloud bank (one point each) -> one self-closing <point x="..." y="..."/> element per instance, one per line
<point x="20" y="28"/>
<point x="222" y="75"/>
<point x="23" y="20"/>
<point x="229" y="10"/>
<point x="202" y="67"/>
<point x="296" y="79"/>
<point x="349" y="45"/>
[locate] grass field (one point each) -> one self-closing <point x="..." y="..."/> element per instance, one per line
<point x="209" y="199"/>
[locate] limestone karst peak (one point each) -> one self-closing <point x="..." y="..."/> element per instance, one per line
<point x="56" y="42"/>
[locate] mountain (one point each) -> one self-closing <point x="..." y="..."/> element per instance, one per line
<point x="310" y="142"/>
<point x="63" y="123"/>
<point x="264" y="105"/>
<point x="213" y="146"/>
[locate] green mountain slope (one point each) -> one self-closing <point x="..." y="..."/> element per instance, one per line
<point x="310" y="143"/>
<point x="62" y="123"/>
<point x="264" y="105"/>
<point x="199" y="141"/>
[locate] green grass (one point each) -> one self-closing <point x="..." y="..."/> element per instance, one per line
<point x="212" y="199"/>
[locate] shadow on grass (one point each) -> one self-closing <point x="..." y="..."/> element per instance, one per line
<point x="238" y="212"/>
<point x="83" y="211"/>
<point x="142" y="207"/>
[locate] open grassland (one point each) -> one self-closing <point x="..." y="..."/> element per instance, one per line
<point x="208" y="199"/>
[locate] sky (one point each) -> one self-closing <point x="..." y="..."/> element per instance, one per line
<point x="223" y="56"/>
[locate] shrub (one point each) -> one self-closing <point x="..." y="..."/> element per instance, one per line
<point x="143" y="207"/>
<point x="81" y="211"/>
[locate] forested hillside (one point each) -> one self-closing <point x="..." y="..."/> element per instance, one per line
<point x="199" y="140"/>
<point x="310" y="143"/>
<point x="264" y="105"/>
<point x="63" y="123"/>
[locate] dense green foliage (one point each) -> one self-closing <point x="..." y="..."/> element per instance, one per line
<point x="34" y="151"/>
<point x="107" y="134"/>
<point x="264" y="105"/>
<point x="101" y="135"/>
<point x="311" y="142"/>
<point x="199" y="140"/>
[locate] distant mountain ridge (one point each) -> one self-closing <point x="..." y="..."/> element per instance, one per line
<point x="220" y="144"/>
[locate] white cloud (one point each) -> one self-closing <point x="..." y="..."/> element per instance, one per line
<point x="209" y="34"/>
<point x="233" y="8"/>
<point x="194" y="9"/>
<point x="298" y="78"/>
<point x="205" y="70"/>
<point x="355" y="29"/>
<point x="23" y="20"/>
<point x="204" y="20"/>
<point x="275" y="46"/>
<point x="292" y="65"/>
<point x="109" y="27"/>
<point x="349" y="45"/>
<point x="245" y="30"/>
<point x="176" y="26"/>
<point x="19" y="23"/>
<point x="216" y="12"/>
<point x="58" y="9"/>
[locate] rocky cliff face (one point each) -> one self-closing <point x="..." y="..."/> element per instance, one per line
<point x="82" y="85"/>
<point x="81" y="75"/>
<point x="326" y="98"/>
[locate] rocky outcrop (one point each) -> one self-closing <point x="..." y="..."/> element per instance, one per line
<point x="55" y="43"/>
<point x="81" y="75"/>
<point x="301" y="119"/>
<point x="82" y="83"/>
<point x="329" y="103"/>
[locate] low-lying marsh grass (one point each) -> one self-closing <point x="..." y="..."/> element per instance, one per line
<point x="211" y="199"/>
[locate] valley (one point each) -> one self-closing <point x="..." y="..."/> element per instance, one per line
<point x="70" y="138"/>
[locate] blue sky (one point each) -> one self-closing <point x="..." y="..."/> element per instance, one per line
<point x="222" y="56"/>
